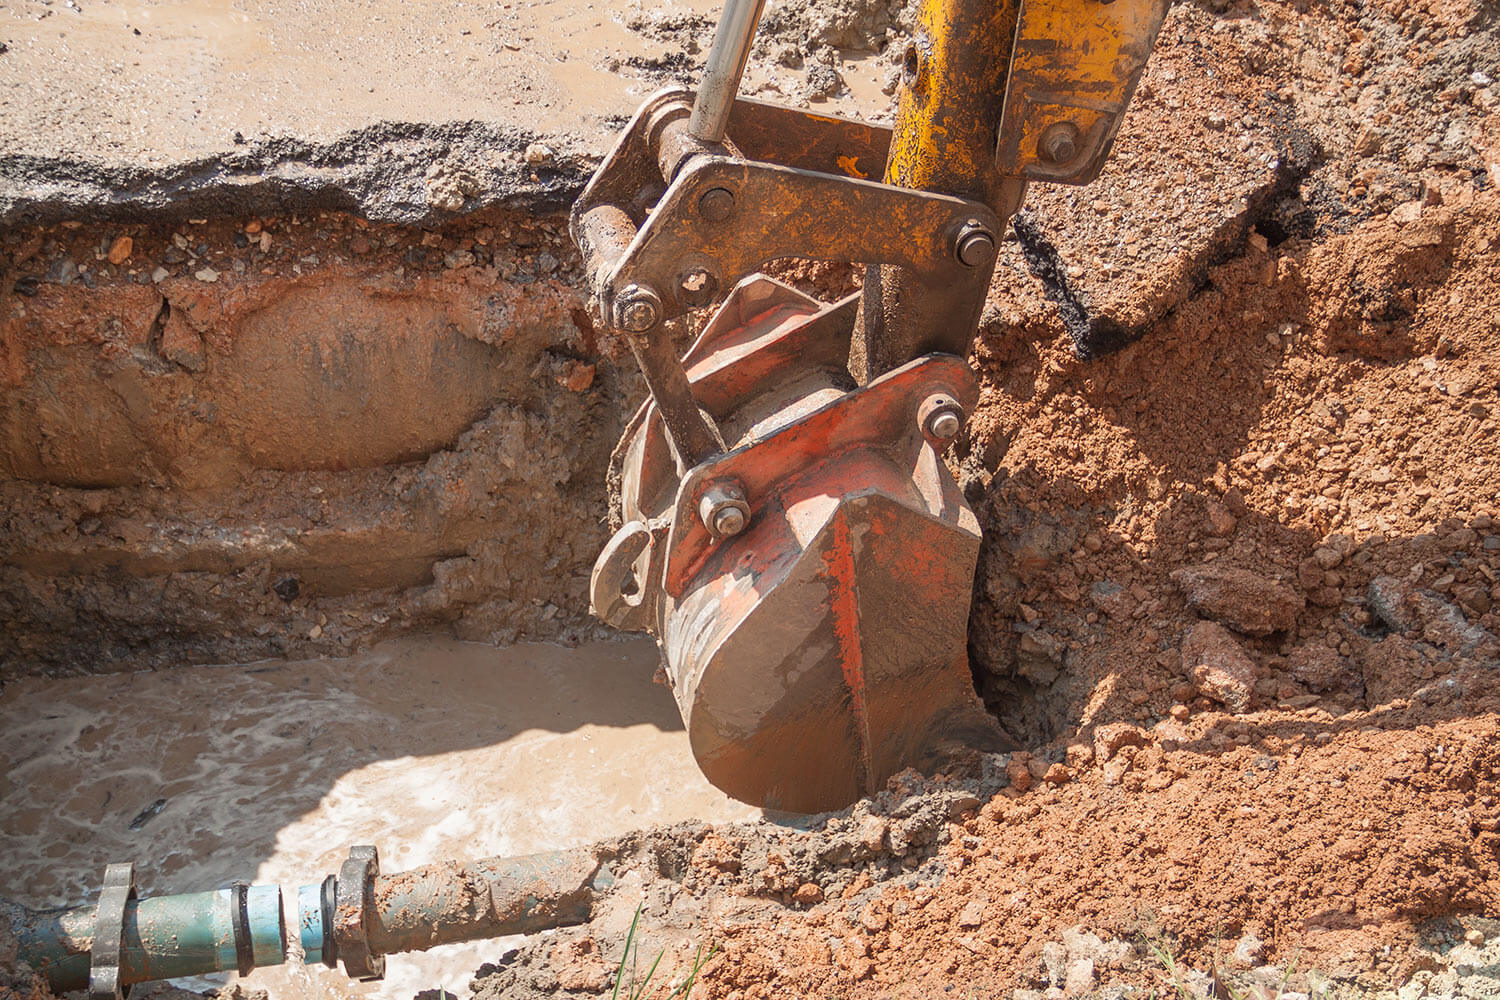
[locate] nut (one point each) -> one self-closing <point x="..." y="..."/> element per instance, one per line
<point x="940" y="417"/>
<point x="637" y="309"/>
<point x="1059" y="143"/>
<point x="723" y="509"/>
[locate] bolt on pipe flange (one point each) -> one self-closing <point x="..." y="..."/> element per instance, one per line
<point x="351" y="914"/>
<point x="723" y="509"/>
<point x="940" y="417"/>
<point x="637" y="308"/>
<point x="975" y="245"/>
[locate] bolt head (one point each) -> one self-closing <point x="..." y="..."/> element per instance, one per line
<point x="1059" y="143"/>
<point x="940" y="417"/>
<point x="729" y="521"/>
<point x="716" y="204"/>
<point x="976" y="247"/>
<point x="637" y="309"/>
<point x="944" y="425"/>
<point x="723" y="509"/>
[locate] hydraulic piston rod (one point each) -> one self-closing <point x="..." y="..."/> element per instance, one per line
<point x="726" y="64"/>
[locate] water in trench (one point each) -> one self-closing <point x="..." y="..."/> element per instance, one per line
<point x="427" y="748"/>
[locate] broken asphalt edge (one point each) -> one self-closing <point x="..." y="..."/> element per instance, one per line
<point x="380" y="172"/>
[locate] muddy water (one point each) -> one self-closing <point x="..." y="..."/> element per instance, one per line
<point x="427" y="748"/>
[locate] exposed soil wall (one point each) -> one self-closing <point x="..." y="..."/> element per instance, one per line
<point x="230" y="439"/>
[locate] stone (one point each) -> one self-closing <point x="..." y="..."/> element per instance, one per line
<point x="1405" y="608"/>
<point x="1327" y="557"/>
<point x="1111" y="598"/>
<point x="181" y="344"/>
<point x="1079" y="979"/>
<point x="1316" y="666"/>
<point x="1248" y="952"/>
<point x="1221" y="522"/>
<point x="120" y="250"/>
<point x="808" y="893"/>
<point x="822" y="82"/>
<point x="1058" y="774"/>
<point x="870" y="833"/>
<point x="207" y="274"/>
<point x="62" y="272"/>
<point x="1019" y="774"/>
<point x="1112" y="738"/>
<point x="1039" y="656"/>
<point x="538" y="154"/>
<point x="1239" y="599"/>
<point x="1219" y="667"/>
<point x="972" y="915"/>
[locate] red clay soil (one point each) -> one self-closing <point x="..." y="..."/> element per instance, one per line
<point x="1241" y="604"/>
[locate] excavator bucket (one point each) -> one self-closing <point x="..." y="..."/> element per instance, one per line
<point x="785" y="524"/>
<point x="821" y="648"/>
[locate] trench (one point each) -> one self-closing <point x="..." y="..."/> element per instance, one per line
<point x="300" y="516"/>
<point x="429" y="748"/>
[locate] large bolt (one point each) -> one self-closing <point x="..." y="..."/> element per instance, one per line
<point x="975" y="245"/>
<point x="716" y="204"/>
<point x="729" y="521"/>
<point x="723" y="509"/>
<point x="940" y="417"/>
<point x="637" y="309"/>
<point x="1059" y="143"/>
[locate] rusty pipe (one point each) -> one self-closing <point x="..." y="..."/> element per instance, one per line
<point x="140" y="940"/>
<point x="359" y="915"/>
<point x="356" y="917"/>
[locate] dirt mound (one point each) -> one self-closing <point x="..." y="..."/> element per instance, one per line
<point x="1238" y="593"/>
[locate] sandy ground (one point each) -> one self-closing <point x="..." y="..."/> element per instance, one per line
<point x="110" y="104"/>
<point x="429" y="749"/>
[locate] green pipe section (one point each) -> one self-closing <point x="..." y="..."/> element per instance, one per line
<point x="164" y="937"/>
<point x="167" y="937"/>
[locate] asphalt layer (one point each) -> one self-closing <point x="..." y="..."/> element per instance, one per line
<point x="152" y="108"/>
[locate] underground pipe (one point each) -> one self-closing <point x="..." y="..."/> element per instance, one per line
<point x="356" y="917"/>
<point x="124" y="940"/>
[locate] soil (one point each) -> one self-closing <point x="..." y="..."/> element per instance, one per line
<point x="1235" y="459"/>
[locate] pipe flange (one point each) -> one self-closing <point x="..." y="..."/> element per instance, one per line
<point x="351" y="914"/>
<point x="109" y="933"/>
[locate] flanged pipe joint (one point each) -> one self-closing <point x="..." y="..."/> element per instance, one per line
<point x="357" y="917"/>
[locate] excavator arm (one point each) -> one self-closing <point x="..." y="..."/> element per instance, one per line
<point x="785" y="524"/>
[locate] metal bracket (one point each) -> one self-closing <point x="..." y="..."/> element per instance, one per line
<point x="687" y="255"/>
<point x="1074" y="69"/>
<point x="109" y="933"/>
<point x="351" y="914"/>
<point x="883" y="413"/>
